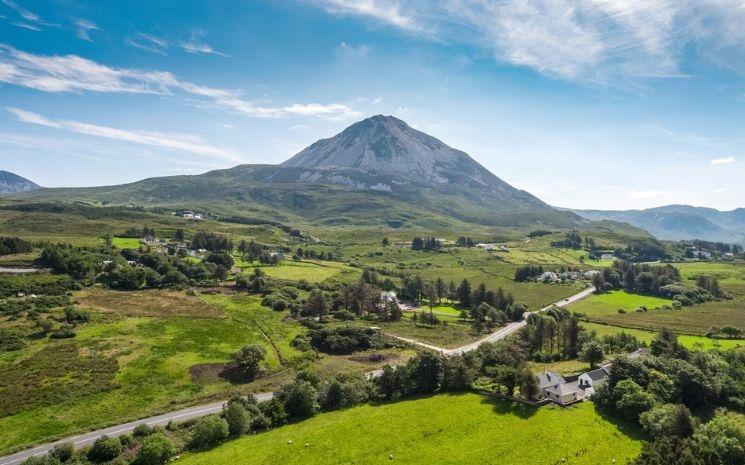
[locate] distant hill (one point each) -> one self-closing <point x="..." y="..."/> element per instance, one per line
<point x="676" y="222"/>
<point x="377" y="171"/>
<point x="11" y="183"/>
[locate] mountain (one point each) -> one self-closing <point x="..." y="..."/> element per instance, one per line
<point x="676" y="222"/>
<point x="11" y="183"/>
<point x="377" y="171"/>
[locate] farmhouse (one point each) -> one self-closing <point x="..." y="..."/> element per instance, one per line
<point x="548" y="277"/>
<point x="591" y="274"/>
<point x="592" y="380"/>
<point x="553" y="386"/>
<point x="388" y="296"/>
<point x="607" y="256"/>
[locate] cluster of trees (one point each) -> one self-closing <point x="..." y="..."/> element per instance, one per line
<point x="643" y="250"/>
<point x="313" y="254"/>
<point x="725" y="332"/>
<point x="465" y="241"/>
<point x="714" y="247"/>
<point x="660" y="391"/>
<point x="528" y="272"/>
<point x="11" y="245"/>
<point x="145" y="231"/>
<point x="252" y="251"/>
<point x="344" y="339"/>
<point x="554" y="335"/>
<point x="572" y="240"/>
<point x="425" y="243"/>
<point x="636" y="277"/>
<point x="538" y="233"/>
<point x="211" y="241"/>
<point x="662" y="280"/>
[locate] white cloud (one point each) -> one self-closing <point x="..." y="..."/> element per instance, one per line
<point x="72" y="73"/>
<point x="84" y="27"/>
<point x="583" y="40"/>
<point x="196" y="46"/>
<point x="180" y="142"/>
<point x="388" y="11"/>
<point x="22" y="12"/>
<point x="722" y="161"/>
<point x="28" y="26"/>
<point x="148" y="42"/>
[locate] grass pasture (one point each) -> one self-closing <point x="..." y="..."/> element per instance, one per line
<point x="609" y="303"/>
<point x="689" y="341"/>
<point x="125" y="242"/>
<point x="159" y="363"/>
<point x="461" y="429"/>
<point x="312" y="272"/>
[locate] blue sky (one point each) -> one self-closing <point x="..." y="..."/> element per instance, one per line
<point x="610" y="104"/>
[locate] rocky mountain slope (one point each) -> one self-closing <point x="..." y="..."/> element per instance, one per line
<point x="377" y="171"/>
<point x="11" y="183"/>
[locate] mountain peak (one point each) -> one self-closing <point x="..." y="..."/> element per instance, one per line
<point x="386" y="144"/>
<point x="11" y="183"/>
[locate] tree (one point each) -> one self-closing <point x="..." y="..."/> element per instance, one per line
<point x="439" y="289"/>
<point x="666" y="344"/>
<point x="385" y="242"/>
<point x="209" y="431"/>
<point x="156" y="449"/>
<point x="721" y="441"/>
<point x="592" y="353"/>
<point x="249" y="360"/>
<point x="457" y="374"/>
<point x="238" y="418"/>
<point x="632" y="399"/>
<point x="105" y="449"/>
<point x="464" y="293"/>
<point x="667" y="420"/>
<point x="317" y="304"/>
<point x="424" y="372"/>
<point x="300" y="398"/>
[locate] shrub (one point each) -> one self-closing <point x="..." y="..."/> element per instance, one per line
<point x="42" y="460"/>
<point x="249" y="360"/>
<point x="299" y="398"/>
<point x="63" y="451"/>
<point x="143" y="430"/>
<point x="344" y="340"/>
<point x="345" y="390"/>
<point x="274" y="412"/>
<point x="156" y="449"/>
<point x="10" y="339"/>
<point x="65" y="332"/>
<point x="620" y="310"/>
<point x="238" y="418"/>
<point x="105" y="449"/>
<point x="209" y="431"/>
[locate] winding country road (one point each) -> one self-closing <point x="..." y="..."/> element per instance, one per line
<point x="215" y="407"/>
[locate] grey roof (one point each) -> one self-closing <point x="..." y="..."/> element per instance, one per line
<point x="549" y="378"/>
<point x="597" y="374"/>
<point x="564" y="389"/>
<point x="638" y="353"/>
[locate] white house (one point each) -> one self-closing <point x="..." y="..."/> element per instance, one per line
<point x="592" y="380"/>
<point x="389" y="296"/>
<point x="591" y="274"/>
<point x="548" y="277"/>
<point x="607" y="256"/>
<point x="553" y="386"/>
<point x="488" y="247"/>
<point x="564" y="394"/>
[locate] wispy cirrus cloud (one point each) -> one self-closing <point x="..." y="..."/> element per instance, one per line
<point x="148" y="42"/>
<point x="723" y="161"/>
<point x="388" y="11"/>
<point x="195" y="45"/>
<point x="84" y="27"/>
<point x="72" y="73"/>
<point x="180" y="142"/>
<point x="578" y="40"/>
<point x="28" y="15"/>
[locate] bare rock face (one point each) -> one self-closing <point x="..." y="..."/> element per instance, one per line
<point x="11" y="183"/>
<point x="385" y="146"/>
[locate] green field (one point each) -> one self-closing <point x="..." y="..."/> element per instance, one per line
<point x="312" y="272"/>
<point x="125" y="242"/>
<point x="147" y="363"/>
<point x="689" y="341"/>
<point x="600" y="305"/>
<point x="444" y="429"/>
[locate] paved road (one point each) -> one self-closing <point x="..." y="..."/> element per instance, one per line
<point x="501" y="333"/>
<point x="216" y="407"/>
<point x="118" y="430"/>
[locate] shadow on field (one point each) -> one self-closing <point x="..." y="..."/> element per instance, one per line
<point x="503" y="406"/>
